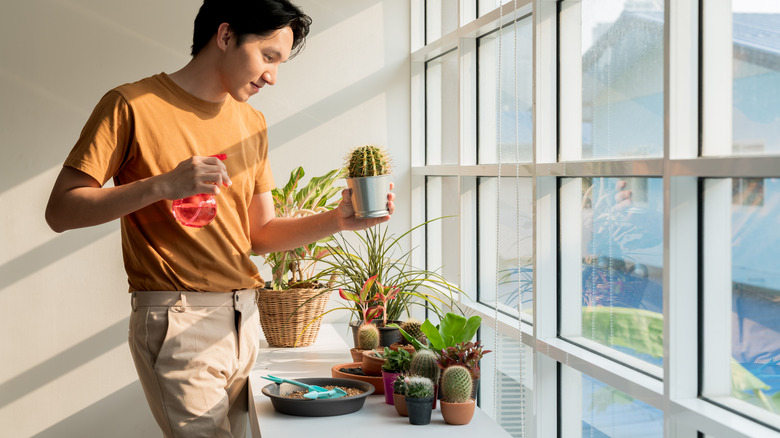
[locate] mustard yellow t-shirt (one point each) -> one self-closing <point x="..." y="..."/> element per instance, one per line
<point x="147" y="128"/>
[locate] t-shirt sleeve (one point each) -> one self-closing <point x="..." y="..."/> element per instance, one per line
<point x="105" y="139"/>
<point x="264" y="179"/>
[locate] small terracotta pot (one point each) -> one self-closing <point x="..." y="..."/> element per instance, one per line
<point x="372" y="365"/>
<point x="409" y="348"/>
<point x="457" y="413"/>
<point x="399" y="401"/>
<point x="357" y="354"/>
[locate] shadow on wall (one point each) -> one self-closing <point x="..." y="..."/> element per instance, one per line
<point x="117" y="416"/>
<point x="63" y="363"/>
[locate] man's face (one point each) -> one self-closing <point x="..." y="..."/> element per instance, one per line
<point x="254" y="63"/>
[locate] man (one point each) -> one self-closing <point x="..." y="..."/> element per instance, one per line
<point x="194" y="328"/>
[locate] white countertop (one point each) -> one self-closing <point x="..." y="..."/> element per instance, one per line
<point x="316" y="361"/>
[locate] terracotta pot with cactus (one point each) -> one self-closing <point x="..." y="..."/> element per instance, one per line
<point x="367" y="340"/>
<point x="399" y="395"/>
<point x="368" y="170"/>
<point x="457" y="406"/>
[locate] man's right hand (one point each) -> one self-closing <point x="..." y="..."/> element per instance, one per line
<point x="193" y="176"/>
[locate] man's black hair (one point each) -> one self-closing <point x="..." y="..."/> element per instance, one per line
<point x="249" y="17"/>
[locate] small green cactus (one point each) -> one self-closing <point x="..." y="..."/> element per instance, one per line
<point x="419" y="387"/>
<point x="368" y="160"/>
<point x="368" y="337"/>
<point x="413" y="328"/>
<point x="456" y="384"/>
<point x="399" y="385"/>
<point x="424" y="364"/>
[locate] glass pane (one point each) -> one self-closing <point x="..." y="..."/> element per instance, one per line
<point x="756" y="94"/>
<point x="755" y="340"/>
<point x="622" y="265"/>
<point x="441" y="18"/>
<point x="606" y="411"/>
<point x="485" y="6"/>
<point x="506" y="385"/>
<point x="514" y="120"/>
<point x="622" y="78"/>
<point x="506" y="232"/>
<point x="441" y="109"/>
<point x="443" y="255"/>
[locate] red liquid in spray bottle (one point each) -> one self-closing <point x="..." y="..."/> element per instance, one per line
<point x="198" y="210"/>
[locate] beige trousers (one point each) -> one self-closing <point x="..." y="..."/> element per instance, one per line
<point x="193" y="352"/>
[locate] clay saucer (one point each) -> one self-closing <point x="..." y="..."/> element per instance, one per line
<point x="376" y="381"/>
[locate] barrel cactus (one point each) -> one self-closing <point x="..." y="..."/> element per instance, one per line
<point x="424" y="364"/>
<point x="368" y="160"/>
<point x="419" y="387"/>
<point x="368" y="337"/>
<point x="413" y="328"/>
<point x="456" y="384"/>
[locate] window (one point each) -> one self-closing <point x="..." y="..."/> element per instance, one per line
<point x="612" y="169"/>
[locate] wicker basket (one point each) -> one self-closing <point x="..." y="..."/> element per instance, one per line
<point x="281" y="329"/>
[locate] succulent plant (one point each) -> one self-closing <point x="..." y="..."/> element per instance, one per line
<point x="412" y="327"/>
<point x="467" y="354"/>
<point x="424" y="364"/>
<point x="419" y="387"/>
<point x="397" y="361"/>
<point x="399" y="385"/>
<point x="456" y="384"/>
<point x="368" y="337"/>
<point x="368" y="160"/>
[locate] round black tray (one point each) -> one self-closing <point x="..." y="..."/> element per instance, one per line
<point x="317" y="408"/>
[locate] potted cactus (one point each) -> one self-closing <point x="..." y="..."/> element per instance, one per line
<point x="368" y="339"/>
<point x="457" y="405"/>
<point x="419" y="395"/>
<point x="368" y="175"/>
<point x="399" y="395"/>
<point x="424" y="364"/>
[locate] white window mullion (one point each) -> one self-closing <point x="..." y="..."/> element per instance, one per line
<point x="571" y="258"/>
<point x="570" y="98"/>
<point x="717" y="288"/>
<point x="717" y="53"/>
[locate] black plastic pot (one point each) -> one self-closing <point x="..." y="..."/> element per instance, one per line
<point x="387" y="335"/>
<point x="419" y="410"/>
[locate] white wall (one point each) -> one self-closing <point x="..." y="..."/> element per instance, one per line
<point x="65" y="368"/>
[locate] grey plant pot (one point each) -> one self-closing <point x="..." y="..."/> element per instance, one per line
<point x="369" y="195"/>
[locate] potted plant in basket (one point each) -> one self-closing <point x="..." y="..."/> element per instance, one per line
<point x="457" y="403"/>
<point x="294" y="298"/>
<point x="397" y="363"/>
<point x="368" y="176"/>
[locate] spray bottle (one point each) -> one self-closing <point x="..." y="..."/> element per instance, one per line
<point x="197" y="210"/>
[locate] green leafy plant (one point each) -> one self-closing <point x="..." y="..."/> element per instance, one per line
<point x="368" y="160"/>
<point x="379" y="254"/>
<point x="398" y="361"/>
<point x="452" y="330"/>
<point x="295" y="267"/>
